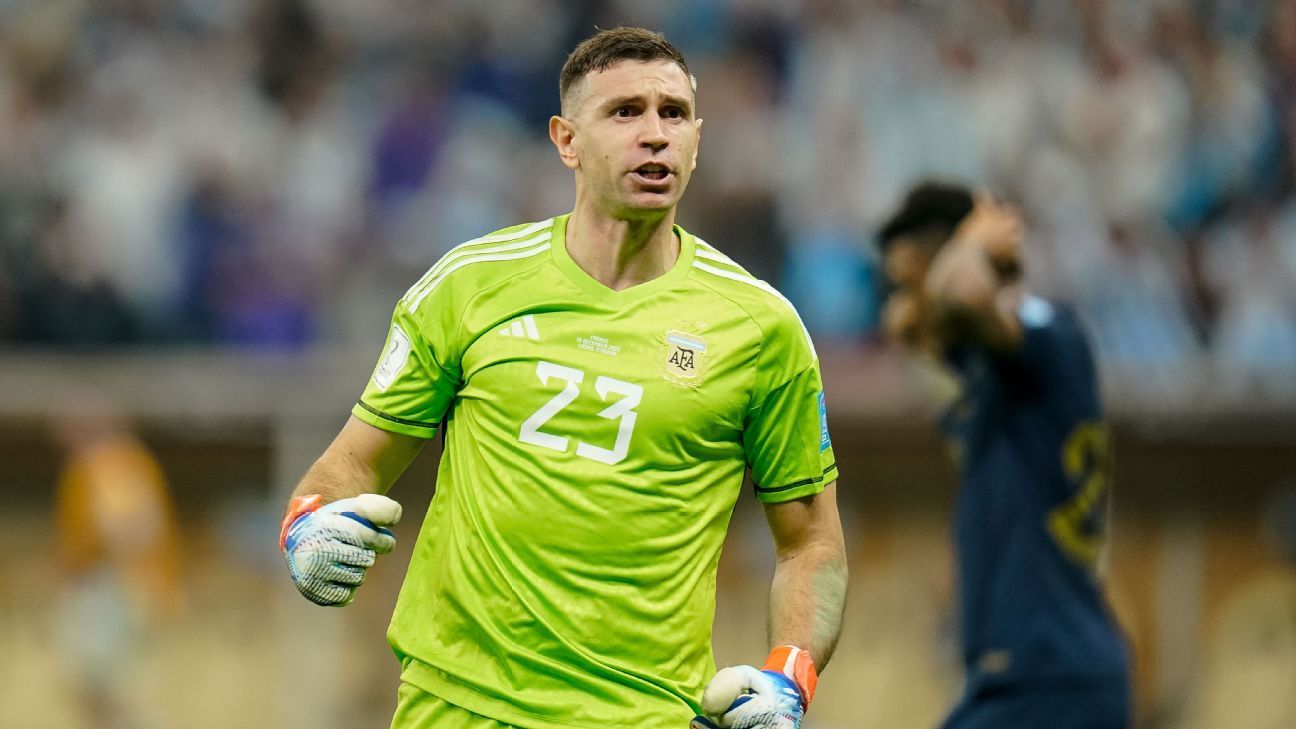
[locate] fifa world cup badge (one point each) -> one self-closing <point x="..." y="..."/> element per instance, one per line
<point x="684" y="358"/>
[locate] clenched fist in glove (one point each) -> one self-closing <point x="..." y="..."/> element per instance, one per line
<point x="772" y="697"/>
<point x="329" y="546"/>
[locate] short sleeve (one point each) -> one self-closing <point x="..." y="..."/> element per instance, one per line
<point x="1043" y="333"/>
<point x="1054" y="347"/>
<point x="1054" y="364"/>
<point x="415" y="380"/>
<point x="785" y="436"/>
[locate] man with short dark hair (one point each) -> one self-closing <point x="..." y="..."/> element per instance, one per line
<point x="1040" y="646"/>
<point x="603" y="379"/>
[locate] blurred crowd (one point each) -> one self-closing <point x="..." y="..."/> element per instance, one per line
<point x="273" y="173"/>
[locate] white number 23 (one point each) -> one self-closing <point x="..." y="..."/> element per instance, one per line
<point x="622" y="410"/>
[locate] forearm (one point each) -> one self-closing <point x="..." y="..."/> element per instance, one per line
<point x="335" y="476"/>
<point x="361" y="459"/>
<point x="962" y="275"/>
<point x="982" y="256"/>
<point x="808" y="597"/>
<point x="970" y="300"/>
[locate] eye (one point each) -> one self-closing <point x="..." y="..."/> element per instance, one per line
<point x="623" y="112"/>
<point x="673" y="112"/>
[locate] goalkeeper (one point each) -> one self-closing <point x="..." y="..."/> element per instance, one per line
<point x="603" y="379"/>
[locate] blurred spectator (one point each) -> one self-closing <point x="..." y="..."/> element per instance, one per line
<point x="1135" y="301"/>
<point x="1232" y="130"/>
<point x="66" y="299"/>
<point x="740" y="97"/>
<point x="1254" y="334"/>
<point x="122" y="175"/>
<point x="117" y="538"/>
<point x="1124" y="118"/>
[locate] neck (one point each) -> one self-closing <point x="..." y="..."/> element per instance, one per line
<point x="621" y="253"/>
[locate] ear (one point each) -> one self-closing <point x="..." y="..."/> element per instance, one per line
<point x="562" y="132"/>
<point x="698" y="124"/>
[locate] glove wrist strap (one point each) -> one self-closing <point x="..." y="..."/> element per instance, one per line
<point x="797" y="665"/>
<point x="298" y="506"/>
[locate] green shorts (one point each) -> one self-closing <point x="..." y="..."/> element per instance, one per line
<point x="418" y="709"/>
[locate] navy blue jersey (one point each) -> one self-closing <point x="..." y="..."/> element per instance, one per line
<point x="1029" y="521"/>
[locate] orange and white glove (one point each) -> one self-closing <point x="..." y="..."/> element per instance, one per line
<point x="330" y="546"/>
<point x="775" y="696"/>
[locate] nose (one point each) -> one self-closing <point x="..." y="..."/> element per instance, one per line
<point x="652" y="133"/>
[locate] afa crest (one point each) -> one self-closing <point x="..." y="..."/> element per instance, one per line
<point x="684" y="358"/>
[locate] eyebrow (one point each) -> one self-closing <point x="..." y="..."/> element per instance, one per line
<point x="667" y="99"/>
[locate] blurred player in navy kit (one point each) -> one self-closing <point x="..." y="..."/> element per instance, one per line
<point x="1040" y="645"/>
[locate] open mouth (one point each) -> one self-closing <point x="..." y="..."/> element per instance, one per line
<point x="653" y="172"/>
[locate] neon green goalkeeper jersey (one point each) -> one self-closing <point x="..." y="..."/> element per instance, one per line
<point x="595" y="444"/>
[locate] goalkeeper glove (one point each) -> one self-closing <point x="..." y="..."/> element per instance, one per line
<point x="774" y="697"/>
<point x="329" y="546"/>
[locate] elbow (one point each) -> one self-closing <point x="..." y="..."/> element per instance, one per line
<point x="824" y="549"/>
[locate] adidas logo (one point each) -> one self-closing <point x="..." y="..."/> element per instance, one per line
<point x="524" y="327"/>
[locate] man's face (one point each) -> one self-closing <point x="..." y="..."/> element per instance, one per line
<point x="905" y="315"/>
<point x="632" y="136"/>
<point x="907" y="261"/>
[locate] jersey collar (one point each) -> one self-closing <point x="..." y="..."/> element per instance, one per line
<point x="563" y="260"/>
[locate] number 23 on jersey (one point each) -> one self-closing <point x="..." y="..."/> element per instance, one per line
<point x="621" y="410"/>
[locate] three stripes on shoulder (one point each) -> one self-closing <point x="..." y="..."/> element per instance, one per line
<point x="706" y="252"/>
<point x="530" y="240"/>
